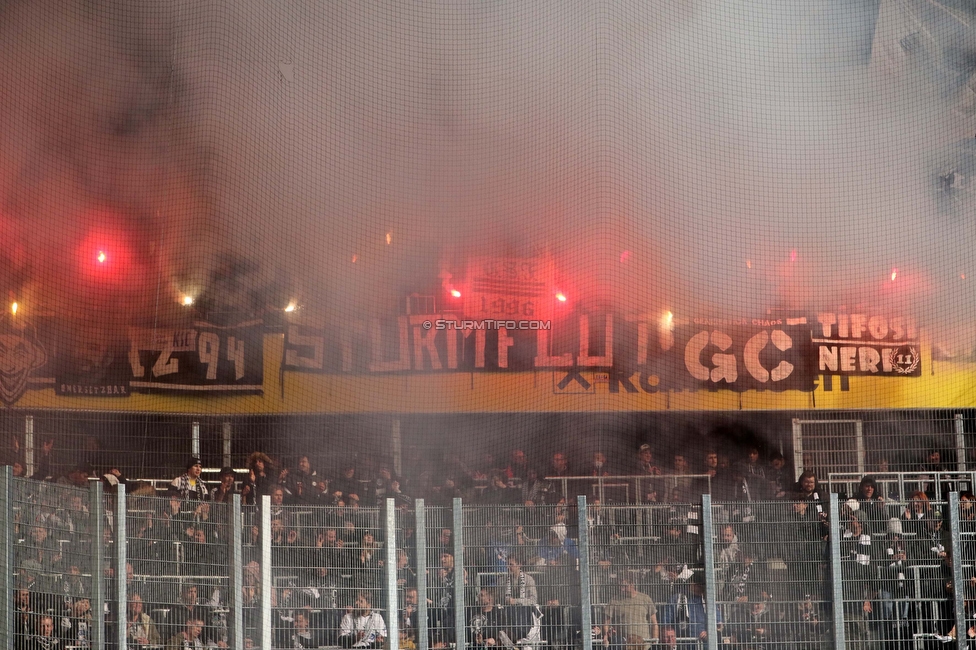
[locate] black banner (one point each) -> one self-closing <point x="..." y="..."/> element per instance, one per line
<point x="204" y="358"/>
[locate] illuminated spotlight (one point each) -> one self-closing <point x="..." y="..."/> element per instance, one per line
<point x="389" y="238"/>
<point x="291" y="307"/>
<point x="187" y="301"/>
<point x="561" y="297"/>
<point x="101" y="257"/>
<point x="455" y="293"/>
<point x="894" y="274"/>
<point x="13" y="308"/>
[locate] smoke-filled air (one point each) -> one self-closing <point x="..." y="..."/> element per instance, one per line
<point x="721" y="157"/>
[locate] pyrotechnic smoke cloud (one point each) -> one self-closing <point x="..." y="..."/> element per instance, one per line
<point x="745" y="154"/>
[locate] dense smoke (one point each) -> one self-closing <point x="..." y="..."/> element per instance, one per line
<point x="720" y="157"/>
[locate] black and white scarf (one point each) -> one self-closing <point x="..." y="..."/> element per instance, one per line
<point x="521" y="593"/>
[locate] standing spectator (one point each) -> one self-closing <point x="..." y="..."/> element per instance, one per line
<point x="518" y="466"/>
<point x="777" y="476"/>
<point x="362" y="627"/>
<point x="931" y="465"/>
<point x="645" y="465"/>
<point x="686" y="611"/>
<point x="224" y="493"/>
<point x="598" y="465"/>
<point x="299" y="483"/>
<point x="347" y="484"/>
<point x="808" y="488"/>
<point x="632" y="616"/>
<point x="260" y="480"/>
<point x="680" y="470"/>
<point x="189" y="484"/>
<point x="872" y="506"/>
<point x="44" y="460"/>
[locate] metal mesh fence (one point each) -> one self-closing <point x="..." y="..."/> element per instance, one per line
<point x="177" y="570"/>
<point x="771" y="575"/>
<point x="521" y="569"/>
<point x="54" y="533"/>
<point x="646" y="572"/>
<point x="327" y="568"/>
<point x="780" y="573"/>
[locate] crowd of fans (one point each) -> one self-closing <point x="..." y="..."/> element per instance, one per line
<point x="520" y="575"/>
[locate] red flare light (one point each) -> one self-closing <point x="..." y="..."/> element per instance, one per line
<point x="455" y="293"/>
<point x="894" y="274"/>
<point x="561" y="297"/>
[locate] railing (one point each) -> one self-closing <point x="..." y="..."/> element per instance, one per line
<point x="896" y="487"/>
<point x="714" y="574"/>
<point x="633" y="489"/>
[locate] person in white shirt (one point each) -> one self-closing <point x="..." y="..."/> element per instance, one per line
<point x="362" y="627"/>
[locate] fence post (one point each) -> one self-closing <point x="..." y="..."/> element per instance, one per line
<point x="837" y="588"/>
<point x="29" y="446"/>
<point x="393" y="608"/>
<point x="96" y="506"/>
<point x="458" y="524"/>
<point x="958" y="580"/>
<point x="586" y="613"/>
<point x="121" y="552"/>
<point x="234" y="553"/>
<point x="711" y="595"/>
<point x="266" y="584"/>
<point x="7" y="630"/>
<point x="225" y="430"/>
<point x="420" y="534"/>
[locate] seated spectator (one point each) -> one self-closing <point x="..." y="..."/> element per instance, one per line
<point x="300" y="635"/>
<point x="189" y="484"/>
<point x="486" y="623"/>
<point x="23" y="616"/>
<point x="187" y="610"/>
<point x="518" y="587"/>
<point x="362" y="627"/>
<point x="45" y="638"/>
<point x="756" y="628"/>
<point x="77" y="629"/>
<point x="140" y="628"/>
<point x="552" y="548"/>
<point x="408" y="624"/>
<point x="669" y="639"/>
<point x="188" y="637"/>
